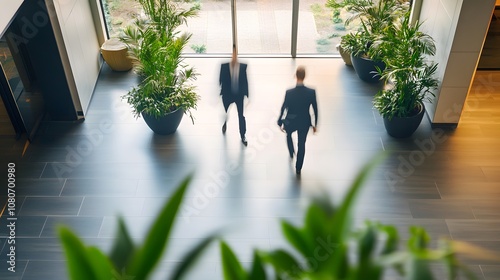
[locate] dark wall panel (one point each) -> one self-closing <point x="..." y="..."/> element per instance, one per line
<point x="32" y="31"/>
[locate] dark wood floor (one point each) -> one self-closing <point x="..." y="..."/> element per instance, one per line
<point x="84" y="174"/>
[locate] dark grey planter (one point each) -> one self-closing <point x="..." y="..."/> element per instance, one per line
<point x="165" y="125"/>
<point x="365" y="68"/>
<point x="404" y="127"/>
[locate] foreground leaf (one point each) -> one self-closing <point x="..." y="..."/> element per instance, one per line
<point x="123" y="247"/>
<point x="231" y="266"/>
<point x="149" y="254"/>
<point x="192" y="256"/>
<point x="83" y="265"/>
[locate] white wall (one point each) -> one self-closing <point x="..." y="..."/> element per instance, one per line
<point x="82" y="47"/>
<point x="7" y="12"/>
<point x="459" y="28"/>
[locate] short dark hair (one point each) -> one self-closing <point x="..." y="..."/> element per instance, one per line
<point x="300" y="73"/>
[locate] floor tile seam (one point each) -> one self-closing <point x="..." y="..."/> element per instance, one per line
<point x="43" y="170"/>
<point x="22" y="205"/>
<point x="64" y="185"/>
<point x="81" y="205"/>
<point x="374" y="117"/>
<point x="482" y="271"/>
<point x="439" y="192"/>
<point x="43" y="226"/>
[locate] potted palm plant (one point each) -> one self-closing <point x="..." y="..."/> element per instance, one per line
<point x="373" y="16"/>
<point x="409" y="75"/>
<point x="165" y="90"/>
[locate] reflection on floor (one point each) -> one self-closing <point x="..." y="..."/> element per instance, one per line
<point x="83" y="175"/>
<point x="490" y="56"/>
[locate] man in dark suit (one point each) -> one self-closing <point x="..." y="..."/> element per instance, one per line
<point x="297" y="102"/>
<point x="234" y="87"/>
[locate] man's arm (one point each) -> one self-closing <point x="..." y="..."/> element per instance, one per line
<point x="282" y="111"/>
<point x="244" y="78"/>
<point x="220" y="77"/>
<point x="314" y="104"/>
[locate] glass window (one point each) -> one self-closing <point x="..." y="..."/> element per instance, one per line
<point x="264" y="26"/>
<point x="119" y="14"/>
<point x="211" y="28"/>
<point x="320" y="27"/>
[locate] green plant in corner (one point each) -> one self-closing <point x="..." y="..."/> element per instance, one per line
<point x="155" y="47"/>
<point x="373" y="16"/>
<point x="199" y="48"/>
<point x="327" y="248"/>
<point x="405" y="49"/>
<point x="127" y="260"/>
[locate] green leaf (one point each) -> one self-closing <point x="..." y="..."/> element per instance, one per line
<point x="342" y="216"/>
<point x="192" y="256"/>
<point x="296" y="238"/>
<point x="123" y="247"/>
<point x="419" y="239"/>
<point x="392" y="239"/>
<point x="418" y="270"/>
<point x="257" y="271"/>
<point x="366" y="243"/>
<point x="79" y="261"/>
<point x="156" y="241"/>
<point x="317" y="219"/>
<point x="284" y="263"/>
<point x="101" y="263"/>
<point x="231" y="266"/>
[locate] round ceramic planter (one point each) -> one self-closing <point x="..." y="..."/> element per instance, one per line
<point x="406" y="126"/>
<point x="366" y="68"/>
<point x="164" y="125"/>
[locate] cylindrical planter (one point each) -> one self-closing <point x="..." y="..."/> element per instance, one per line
<point x="346" y="56"/>
<point x="406" y="126"/>
<point x="164" y="125"/>
<point x="365" y="68"/>
<point x="115" y="53"/>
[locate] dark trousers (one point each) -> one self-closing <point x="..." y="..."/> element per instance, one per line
<point x="238" y="100"/>
<point x="301" y="144"/>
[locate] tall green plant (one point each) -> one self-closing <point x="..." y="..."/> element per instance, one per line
<point x="405" y="51"/>
<point x="127" y="260"/>
<point x="155" y="47"/>
<point x="374" y="17"/>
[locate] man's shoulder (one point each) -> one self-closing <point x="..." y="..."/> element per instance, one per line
<point x="301" y="89"/>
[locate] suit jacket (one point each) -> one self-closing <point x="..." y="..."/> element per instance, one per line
<point x="297" y="102"/>
<point x="225" y="80"/>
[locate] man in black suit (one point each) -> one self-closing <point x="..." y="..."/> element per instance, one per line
<point x="234" y="87"/>
<point x="297" y="102"/>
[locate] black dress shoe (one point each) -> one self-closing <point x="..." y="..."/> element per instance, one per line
<point x="224" y="127"/>
<point x="244" y="141"/>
